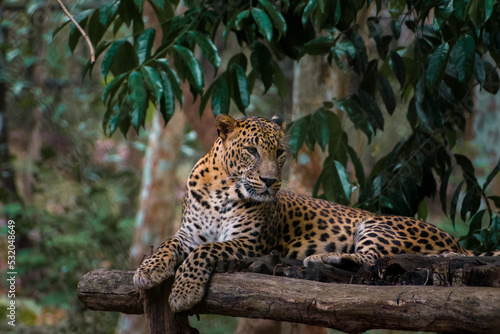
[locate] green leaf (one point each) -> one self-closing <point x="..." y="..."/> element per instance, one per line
<point x="263" y="22"/>
<point x="276" y="17"/>
<point x="317" y="46"/>
<point x="476" y="222"/>
<point x="422" y="112"/>
<point x="396" y="28"/>
<point x="398" y="67"/>
<point x="319" y="126"/>
<point x="280" y="81"/>
<point x="361" y="59"/>
<point x="336" y="185"/>
<point x="347" y="47"/>
<point x="344" y="181"/>
<point x="442" y="12"/>
<point x="109" y="57"/>
<point x="463" y="57"/>
<point x="238" y="59"/>
<point x="112" y="87"/>
<point x="163" y="10"/>
<point x="137" y="100"/>
<point x="227" y="31"/>
<point x="470" y="203"/>
<point x="144" y="44"/>
<point x="160" y="3"/>
<point x="311" y="6"/>
<point x="396" y="8"/>
<point x="240" y="19"/>
<point x="478" y="12"/>
<point x="488" y="9"/>
<point x="491" y="175"/>
<point x="167" y="103"/>
<point x="437" y="65"/>
<point x="358" y="167"/>
<point x="466" y="165"/>
<point x="173" y="78"/>
<point x="95" y="28"/>
<point x="460" y="8"/>
<point x="108" y="12"/>
<point x="120" y="120"/>
<point x="496" y="200"/>
<point x="195" y="72"/>
<point x="454" y="202"/>
<point x="74" y="33"/>
<point x="263" y="64"/>
<point x="375" y="31"/>
<point x="298" y="134"/>
<point x="207" y="46"/>
<point x="153" y="81"/>
<point x="385" y="90"/>
<point x="138" y="4"/>
<point x="357" y="115"/>
<point x="241" y="95"/>
<point x="56" y="31"/>
<point x="204" y="99"/>
<point x="220" y="96"/>
<point x="443" y="189"/>
<point x="113" y="108"/>
<point x="479" y="74"/>
<point x="101" y="47"/>
<point x="369" y="110"/>
<point x="422" y="211"/>
<point x="492" y="80"/>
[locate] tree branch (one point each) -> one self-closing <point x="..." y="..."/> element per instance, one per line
<point x="84" y="34"/>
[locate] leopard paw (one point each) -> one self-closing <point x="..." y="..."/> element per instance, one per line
<point x="185" y="294"/>
<point x="327" y="258"/>
<point x="451" y="254"/>
<point x="153" y="271"/>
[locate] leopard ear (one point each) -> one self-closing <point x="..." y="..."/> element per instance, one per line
<point x="225" y="125"/>
<point x="280" y="120"/>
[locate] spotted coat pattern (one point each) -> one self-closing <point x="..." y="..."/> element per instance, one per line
<point x="234" y="209"/>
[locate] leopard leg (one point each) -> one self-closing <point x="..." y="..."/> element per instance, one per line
<point x="365" y="250"/>
<point x="342" y="259"/>
<point x="161" y="265"/>
<point x="193" y="274"/>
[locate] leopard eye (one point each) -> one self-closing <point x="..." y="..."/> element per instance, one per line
<point x="279" y="152"/>
<point x="252" y="151"/>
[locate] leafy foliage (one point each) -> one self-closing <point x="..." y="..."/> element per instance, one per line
<point x="435" y="68"/>
<point x="80" y="212"/>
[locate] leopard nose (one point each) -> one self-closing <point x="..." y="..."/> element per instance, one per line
<point x="268" y="182"/>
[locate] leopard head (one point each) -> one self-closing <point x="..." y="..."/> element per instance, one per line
<point x="252" y="154"/>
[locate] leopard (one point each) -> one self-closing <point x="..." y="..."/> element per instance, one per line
<point x="234" y="209"/>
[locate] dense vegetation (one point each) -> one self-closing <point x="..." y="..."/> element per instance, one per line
<point x="450" y="47"/>
<point x="69" y="189"/>
<point x="75" y="193"/>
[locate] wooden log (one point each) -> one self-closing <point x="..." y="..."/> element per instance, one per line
<point x="110" y="290"/>
<point x="414" y="269"/>
<point x="159" y="318"/>
<point x="348" y="307"/>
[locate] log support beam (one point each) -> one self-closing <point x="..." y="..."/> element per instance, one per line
<point x="350" y="308"/>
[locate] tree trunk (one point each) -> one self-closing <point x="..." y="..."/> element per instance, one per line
<point x="7" y="175"/>
<point x="314" y="81"/>
<point x="155" y="220"/>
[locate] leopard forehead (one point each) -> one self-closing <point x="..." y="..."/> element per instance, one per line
<point x="259" y="131"/>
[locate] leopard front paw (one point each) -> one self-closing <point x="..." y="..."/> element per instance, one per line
<point x="186" y="293"/>
<point x="153" y="271"/>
